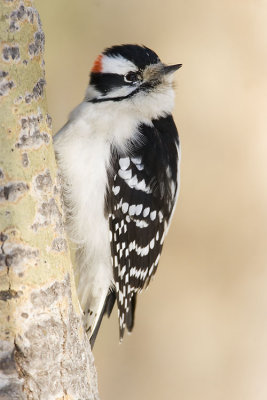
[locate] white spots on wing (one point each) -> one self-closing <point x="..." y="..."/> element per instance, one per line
<point x="152" y="243"/>
<point x="163" y="237"/>
<point x="115" y="190"/>
<point x="160" y="216"/>
<point x="132" y="209"/>
<point x="157" y="235"/>
<point x="133" y="182"/>
<point x="145" y="273"/>
<point x="122" y="294"/>
<point x="144" y="251"/>
<point x="121" y="227"/>
<point x="116" y="263"/>
<point x="124" y="163"/>
<point x="122" y="271"/>
<point x="168" y="172"/>
<point x="146" y="211"/>
<point x="135" y="272"/>
<point x="139" y="273"/>
<point x="125" y="207"/>
<point x="151" y="269"/>
<point x="135" y="209"/>
<point x="132" y="245"/>
<point x="121" y="297"/>
<point x="140" y="223"/>
<point x="138" y="209"/>
<point x="142" y="186"/>
<point x="136" y="160"/>
<point x="119" y="204"/>
<point x="126" y="175"/>
<point x="153" y="215"/>
<point x="138" y="250"/>
<point x="110" y="236"/>
<point x="142" y="274"/>
<point x="157" y="259"/>
<point x="138" y="163"/>
<point x="140" y="167"/>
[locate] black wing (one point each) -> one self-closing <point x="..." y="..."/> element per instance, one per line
<point x="141" y="196"/>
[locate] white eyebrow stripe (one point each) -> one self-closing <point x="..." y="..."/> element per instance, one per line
<point x="117" y="65"/>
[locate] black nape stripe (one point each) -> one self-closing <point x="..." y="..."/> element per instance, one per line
<point x="145" y="87"/>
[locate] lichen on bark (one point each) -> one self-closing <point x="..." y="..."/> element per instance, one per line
<point x="44" y="351"/>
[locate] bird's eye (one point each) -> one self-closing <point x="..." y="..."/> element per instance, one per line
<point x="132" y="77"/>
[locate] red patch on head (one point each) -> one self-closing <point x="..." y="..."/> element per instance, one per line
<point x="97" y="67"/>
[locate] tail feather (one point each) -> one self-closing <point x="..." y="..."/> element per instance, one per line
<point x="107" y="309"/>
<point x="130" y="314"/>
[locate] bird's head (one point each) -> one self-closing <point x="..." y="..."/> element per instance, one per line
<point x="128" y="72"/>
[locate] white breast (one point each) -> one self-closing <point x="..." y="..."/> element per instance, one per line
<point x="83" y="159"/>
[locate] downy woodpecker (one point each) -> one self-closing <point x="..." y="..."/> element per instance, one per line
<point x="119" y="157"/>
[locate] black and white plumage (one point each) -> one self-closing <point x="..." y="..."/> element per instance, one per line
<point x="119" y="157"/>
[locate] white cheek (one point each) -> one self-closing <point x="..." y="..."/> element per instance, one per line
<point x="168" y="78"/>
<point x="157" y="103"/>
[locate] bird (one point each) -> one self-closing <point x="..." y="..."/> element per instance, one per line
<point x="119" y="159"/>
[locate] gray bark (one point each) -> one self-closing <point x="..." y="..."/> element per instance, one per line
<point x="44" y="351"/>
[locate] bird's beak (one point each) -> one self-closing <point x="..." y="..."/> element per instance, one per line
<point x="154" y="73"/>
<point x="170" y="69"/>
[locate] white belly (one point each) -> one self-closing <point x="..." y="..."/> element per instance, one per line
<point x="83" y="165"/>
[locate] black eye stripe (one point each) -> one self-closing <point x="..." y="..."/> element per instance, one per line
<point x="104" y="82"/>
<point x="132" y="76"/>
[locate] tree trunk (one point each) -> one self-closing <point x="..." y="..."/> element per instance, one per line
<point x="44" y="351"/>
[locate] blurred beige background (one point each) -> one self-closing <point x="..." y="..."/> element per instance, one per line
<point x="201" y="327"/>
